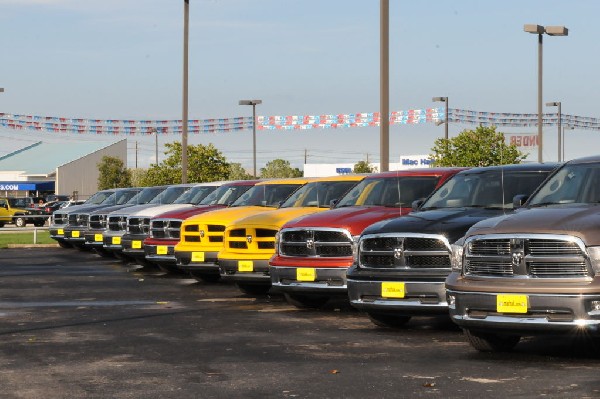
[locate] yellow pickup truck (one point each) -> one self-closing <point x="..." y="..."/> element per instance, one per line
<point x="201" y="236"/>
<point x="20" y="212"/>
<point x="249" y="242"/>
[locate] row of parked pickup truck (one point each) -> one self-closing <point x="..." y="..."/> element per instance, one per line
<point x="506" y="251"/>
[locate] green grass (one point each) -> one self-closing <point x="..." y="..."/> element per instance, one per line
<point x="43" y="237"/>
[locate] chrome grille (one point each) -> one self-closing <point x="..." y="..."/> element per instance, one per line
<point x="59" y="218"/>
<point x="78" y="219"/>
<point x="315" y="242"/>
<point x="117" y="223"/>
<point x="526" y="256"/>
<point x="138" y="225"/>
<point x="97" y="222"/>
<point x="404" y="251"/>
<point x="165" y="228"/>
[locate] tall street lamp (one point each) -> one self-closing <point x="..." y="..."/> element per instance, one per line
<point x="184" y="117"/>
<point x="558" y="104"/>
<point x="254" y="103"/>
<point x="563" y="139"/>
<point x="444" y="100"/>
<point x="384" y="85"/>
<point x="551" y="31"/>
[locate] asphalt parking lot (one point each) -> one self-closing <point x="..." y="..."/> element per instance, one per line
<point x="73" y="324"/>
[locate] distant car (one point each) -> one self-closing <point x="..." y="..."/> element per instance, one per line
<point x="57" y="197"/>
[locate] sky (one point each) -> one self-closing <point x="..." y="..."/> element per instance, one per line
<point x="122" y="59"/>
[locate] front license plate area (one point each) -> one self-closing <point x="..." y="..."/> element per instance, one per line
<point x="75" y="234"/>
<point x="136" y="244"/>
<point x="197" y="256"/>
<point x="98" y="237"/>
<point x="161" y="250"/>
<point x="116" y="240"/>
<point x="245" y="266"/>
<point x="306" y="274"/>
<point x="393" y="290"/>
<point x="510" y="303"/>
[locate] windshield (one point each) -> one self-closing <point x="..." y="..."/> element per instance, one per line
<point x="146" y="195"/>
<point x="318" y="194"/>
<point x="270" y="195"/>
<point x="19" y="202"/>
<point x="195" y="195"/>
<point x="487" y="189"/>
<point x="579" y="183"/>
<point x="389" y="191"/>
<point x="225" y="195"/>
<point x="99" y="198"/>
<point x="169" y="195"/>
<point x="124" y="196"/>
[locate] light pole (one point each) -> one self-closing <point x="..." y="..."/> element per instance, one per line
<point x="563" y="139"/>
<point x="551" y="31"/>
<point x="444" y="100"/>
<point x="558" y="104"/>
<point x="254" y="103"/>
<point x="184" y="117"/>
<point x="384" y="85"/>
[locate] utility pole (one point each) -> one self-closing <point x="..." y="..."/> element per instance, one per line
<point x="136" y="154"/>
<point x="305" y="155"/>
<point x="156" y="145"/>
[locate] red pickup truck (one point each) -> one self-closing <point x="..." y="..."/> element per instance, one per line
<point x="314" y="252"/>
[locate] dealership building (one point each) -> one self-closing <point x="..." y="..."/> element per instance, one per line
<point x="331" y="169"/>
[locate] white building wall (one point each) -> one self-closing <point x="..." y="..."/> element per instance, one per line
<point x="332" y="169"/>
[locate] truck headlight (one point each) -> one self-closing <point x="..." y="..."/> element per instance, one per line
<point x="456" y="257"/>
<point x="277" y="235"/>
<point x="594" y="253"/>
<point x="355" y="244"/>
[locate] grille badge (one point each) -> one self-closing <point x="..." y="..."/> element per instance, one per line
<point x="249" y="239"/>
<point x="201" y="233"/>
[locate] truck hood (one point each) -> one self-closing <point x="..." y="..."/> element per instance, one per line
<point x="580" y="220"/>
<point x="452" y="223"/>
<point x="185" y="213"/>
<point x="154" y="210"/>
<point x="228" y="215"/>
<point x="109" y="209"/>
<point x="278" y="217"/>
<point x="354" y="219"/>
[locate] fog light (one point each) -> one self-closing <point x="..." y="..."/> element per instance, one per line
<point x="595" y="306"/>
<point x="451" y="300"/>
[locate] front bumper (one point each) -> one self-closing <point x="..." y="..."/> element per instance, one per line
<point x="546" y="313"/>
<point x="418" y="297"/>
<point x="161" y="254"/>
<point x="94" y="238"/>
<point x="112" y="240"/>
<point x="326" y="280"/>
<point x="57" y="232"/>
<point x="133" y="245"/>
<point x="194" y="261"/>
<point x="245" y="270"/>
<point x="74" y="234"/>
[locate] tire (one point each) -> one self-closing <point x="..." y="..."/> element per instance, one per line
<point x="254" y="289"/>
<point x="306" y="301"/>
<point x="19" y="221"/>
<point x="64" y="244"/>
<point x="1" y="224"/>
<point x="387" y="320"/>
<point x="491" y="342"/>
<point x="206" y="277"/>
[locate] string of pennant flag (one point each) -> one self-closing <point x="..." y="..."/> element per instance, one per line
<point x="290" y="122"/>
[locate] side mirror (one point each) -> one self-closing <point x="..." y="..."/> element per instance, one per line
<point x="416" y="204"/>
<point x="519" y="200"/>
<point x="333" y="203"/>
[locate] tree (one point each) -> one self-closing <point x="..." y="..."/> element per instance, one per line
<point x="237" y="172"/>
<point x="138" y="177"/>
<point x="113" y="173"/>
<point x="480" y="147"/>
<point x="205" y="164"/>
<point x="364" y="167"/>
<point x="279" y="168"/>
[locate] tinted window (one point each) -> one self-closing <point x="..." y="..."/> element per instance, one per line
<point x="391" y="191"/>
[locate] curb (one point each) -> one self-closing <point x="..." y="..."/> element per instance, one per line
<point x="32" y="245"/>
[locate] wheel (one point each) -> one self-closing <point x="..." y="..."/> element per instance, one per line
<point x="491" y="342"/>
<point x="1" y="224"/>
<point x="387" y="320"/>
<point x="254" y="289"/>
<point x="64" y="244"/>
<point x="206" y="277"/>
<point x="19" y="221"/>
<point x="306" y="301"/>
